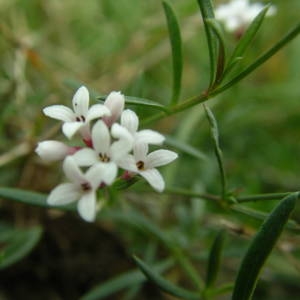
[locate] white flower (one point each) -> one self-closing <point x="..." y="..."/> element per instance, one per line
<point x="239" y="13"/>
<point x="130" y="120"/>
<point x="115" y="102"/>
<point x="145" y="164"/>
<point x="53" y="150"/>
<point x="77" y="120"/>
<point x="83" y="187"/>
<point x="104" y="149"/>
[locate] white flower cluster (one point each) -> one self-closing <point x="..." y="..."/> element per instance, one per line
<point x="239" y="13"/>
<point x="109" y="145"/>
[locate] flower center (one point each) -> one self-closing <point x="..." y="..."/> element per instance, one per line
<point x="140" y="165"/>
<point x="85" y="186"/>
<point x="104" y="157"/>
<point x="80" y="119"/>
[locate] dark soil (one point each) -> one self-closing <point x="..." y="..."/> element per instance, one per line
<point x="71" y="258"/>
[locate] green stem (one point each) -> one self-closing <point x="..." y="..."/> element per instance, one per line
<point x="216" y="198"/>
<point x="259" y="197"/>
<point x="188" y="193"/>
<point x="211" y="93"/>
<point x="262" y="59"/>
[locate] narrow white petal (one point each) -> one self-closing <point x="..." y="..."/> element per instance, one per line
<point x="101" y="172"/>
<point x="94" y="175"/>
<point x="149" y="136"/>
<point x="63" y="194"/>
<point x="52" y="150"/>
<point x="140" y="151"/>
<point x="81" y="101"/>
<point x="87" y="206"/>
<point x="97" y="111"/>
<point x="154" y="178"/>
<point x="85" y="131"/>
<point x="159" y="158"/>
<point x="70" y="128"/>
<point x="72" y="171"/>
<point x="130" y="120"/>
<point x="124" y="143"/>
<point x="85" y="157"/>
<point x="101" y="137"/>
<point x="115" y="101"/>
<point x="110" y="173"/>
<point x="128" y="163"/>
<point x="59" y="112"/>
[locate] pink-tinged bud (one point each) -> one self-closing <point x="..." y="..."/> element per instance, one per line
<point x="115" y="102"/>
<point x="52" y="150"/>
<point x="127" y="175"/>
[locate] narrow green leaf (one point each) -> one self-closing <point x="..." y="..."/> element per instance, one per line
<point x="248" y="36"/>
<point x="23" y="196"/>
<point x="221" y="290"/>
<point x="259" y="215"/>
<point x="215" y="136"/>
<point x="188" y="267"/>
<point x="185" y="148"/>
<point x="141" y="102"/>
<point x="221" y="57"/>
<point x="207" y="12"/>
<point x="31" y="198"/>
<point x="176" y="45"/>
<point x="17" y="244"/>
<point x="123" y="281"/>
<point x="164" y="284"/>
<point x="261" y="247"/>
<point x="215" y="259"/>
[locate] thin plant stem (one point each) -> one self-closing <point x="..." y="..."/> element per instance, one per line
<point x="195" y="100"/>
<point x="216" y="198"/>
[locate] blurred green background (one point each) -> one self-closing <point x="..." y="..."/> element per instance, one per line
<point x="49" y="48"/>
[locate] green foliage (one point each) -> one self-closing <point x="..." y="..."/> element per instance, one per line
<point x="207" y="13"/>
<point x="165" y="285"/>
<point x="247" y="38"/>
<point x="18" y="242"/>
<point x="215" y="259"/>
<point x="49" y="48"/>
<point x="175" y="39"/>
<point x="261" y="247"/>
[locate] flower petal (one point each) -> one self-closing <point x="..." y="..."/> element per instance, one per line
<point x="85" y="157"/>
<point x="52" y="150"/>
<point x="140" y="151"/>
<point x="110" y="173"/>
<point x="101" y="137"/>
<point x="72" y="171"/>
<point x="115" y="101"/>
<point x="154" y="178"/>
<point x="130" y="120"/>
<point x="128" y="163"/>
<point x="148" y="136"/>
<point x="97" y="111"/>
<point x="159" y="158"/>
<point x="59" y="112"/>
<point x="124" y="143"/>
<point x="81" y="101"/>
<point x="87" y="206"/>
<point x="70" y="128"/>
<point x="63" y="194"/>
